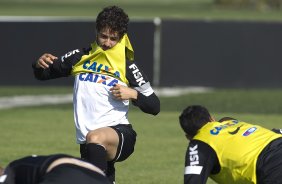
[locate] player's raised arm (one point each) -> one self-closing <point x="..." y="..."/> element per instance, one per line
<point x="49" y="66"/>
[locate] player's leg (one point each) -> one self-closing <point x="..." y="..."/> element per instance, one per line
<point x="83" y="151"/>
<point x="109" y="144"/>
<point x="110" y="165"/>
<point x="270" y="165"/>
<point x="127" y="139"/>
<point x="111" y="172"/>
<point x="101" y="146"/>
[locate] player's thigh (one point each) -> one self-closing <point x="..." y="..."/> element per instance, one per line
<point x="105" y="136"/>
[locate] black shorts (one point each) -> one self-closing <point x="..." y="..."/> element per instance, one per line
<point x="73" y="174"/>
<point x="127" y="139"/>
<point x="269" y="166"/>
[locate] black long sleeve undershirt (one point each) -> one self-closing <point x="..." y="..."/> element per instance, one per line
<point x="148" y="104"/>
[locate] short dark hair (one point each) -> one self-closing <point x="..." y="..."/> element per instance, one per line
<point x="193" y="118"/>
<point x="114" y="18"/>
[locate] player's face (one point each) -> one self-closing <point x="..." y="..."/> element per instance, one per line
<point x="107" y="39"/>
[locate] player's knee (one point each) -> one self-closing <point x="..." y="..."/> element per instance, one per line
<point x="95" y="137"/>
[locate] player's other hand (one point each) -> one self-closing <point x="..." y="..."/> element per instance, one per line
<point x="123" y="93"/>
<point x="277" y="130"/>
<point x="45" y="60"/>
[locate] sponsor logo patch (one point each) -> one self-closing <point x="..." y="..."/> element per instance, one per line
<point x="235" y="131"/>
<point x="69" y="54"/>
<point x="249" y="131"/>
<point x="96" y="78"/>
<point x="216" y="130"/>
<point x="193" y="168"/>
<point x="137" y="75"/>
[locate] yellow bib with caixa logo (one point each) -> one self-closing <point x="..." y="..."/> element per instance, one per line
<point x="237" y="145"/>
<point x="111" y="62"/>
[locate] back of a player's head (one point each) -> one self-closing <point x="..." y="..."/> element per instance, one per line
<point x="113" y="18"/>
<point x="193" y="118"/>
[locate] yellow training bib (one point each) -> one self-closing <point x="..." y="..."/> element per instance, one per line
<point x="237" y="146"/>
<point x="110" y="62"/>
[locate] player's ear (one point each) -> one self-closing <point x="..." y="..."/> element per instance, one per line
<point x="188" y="137"/>
<point x="212" y="119"/>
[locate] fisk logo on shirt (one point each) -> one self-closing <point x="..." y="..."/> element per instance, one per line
<point x="137" y="75"/>
<point x="194" y="157"/>
<point x="193" y="168"/>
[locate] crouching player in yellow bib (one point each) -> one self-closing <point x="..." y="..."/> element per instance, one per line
<point x="229" y="151"/>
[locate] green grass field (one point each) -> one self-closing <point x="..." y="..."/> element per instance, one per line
<point x="161" y="145"/>
<point x="160" y="149"/>
<point x="144" y="9"/>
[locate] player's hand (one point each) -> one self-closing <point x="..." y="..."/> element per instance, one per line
<point x="123" y="93"/>
<point x="45" y="60"/>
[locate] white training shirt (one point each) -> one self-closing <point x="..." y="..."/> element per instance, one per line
<point x="95" y="106"/>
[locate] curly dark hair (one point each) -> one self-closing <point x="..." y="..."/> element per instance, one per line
<point x="114" y="18"/>
<point x="193" y="118"/>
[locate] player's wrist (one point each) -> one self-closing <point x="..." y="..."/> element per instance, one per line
<point x="134" y="94"/>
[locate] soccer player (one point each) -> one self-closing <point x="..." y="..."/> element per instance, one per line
<point x="106" y="80"/>
<point x="231" y="151"/>
<point x="52" y="169"/>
